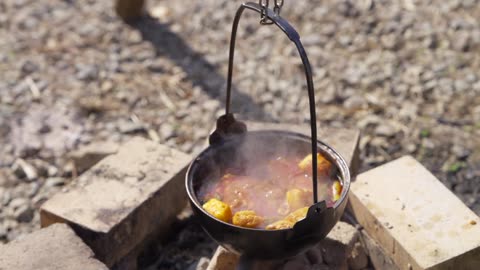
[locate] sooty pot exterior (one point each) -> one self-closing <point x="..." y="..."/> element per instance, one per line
<point x="259" y="243"/>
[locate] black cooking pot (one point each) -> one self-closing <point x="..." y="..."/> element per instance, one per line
<point x="231" y="145"/>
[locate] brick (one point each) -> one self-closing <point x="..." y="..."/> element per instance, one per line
<point x="358" y="258"/>
<point x="378" y="256"/>
<point x="124" y="199"/>
<point x="87" y="156"/>
<point x="338" y="245"/>
<point x="223" y="260"/>
<point x="334" y="249"/>
<point x="56" y="247"/>
<point x="415" y="218"/>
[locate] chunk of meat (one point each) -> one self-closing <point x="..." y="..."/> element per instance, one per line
<point x="247" y="218"/>
<point x="323" y="165"/>
<point x="218" y="209"/>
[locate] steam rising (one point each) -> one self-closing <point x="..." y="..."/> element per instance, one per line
<point x="250" y="157"/>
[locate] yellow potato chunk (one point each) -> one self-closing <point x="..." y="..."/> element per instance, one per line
<point x="247" y="218"/>
<point x="297" y="215"/>
<point x="218" y="209"/>
<point x="323" y="165"/>
<point x="280" y="225"/>
<point x="336" y="190"/>
<point x="289" y="220"/>
<point x="297" y="198"/>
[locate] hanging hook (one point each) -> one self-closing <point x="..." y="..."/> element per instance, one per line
<point x="278" y="4"/>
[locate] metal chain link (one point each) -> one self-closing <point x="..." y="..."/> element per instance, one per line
<point x="278" y="4"/>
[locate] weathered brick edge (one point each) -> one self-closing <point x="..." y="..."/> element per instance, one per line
<point x="55" y="247"/>
<point x="125" y="234"/>
<point x="393" y="202"/>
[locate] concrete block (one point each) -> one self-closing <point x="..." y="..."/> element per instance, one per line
<point x="223" y="260"/>
<point x="358" y="258"/>
<point x="88" y="155"/>
<point x="378" y="255"/>
<point x="418" y="221"/>
<point x="338" y="245"/>
<point x="332" y="252"/>
<point x="117" y="204"/>
<point x="55" y="247"/>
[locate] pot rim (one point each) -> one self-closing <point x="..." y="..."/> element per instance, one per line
<point x="339" y="162"/>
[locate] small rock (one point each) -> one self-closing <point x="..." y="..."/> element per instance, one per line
<point x="411" y="148"/>
<point x="29" y="67"/>
<point x="409" y="111"/>
<point x="368" y="120"/>
<point x="24" y="213"/>
<point x="167" y="131"/>
<point x="52" y="171"/>
<point x="135" y="37"/>
<point x="106" y="86"/>
<point x="461" y="85"/>
<point x="354" y="103"/>
<point x="203" y="263"/>
<point x="460" y="151"/>
<point x="17" y="202"/>
<point x="23" y="169"/>
<point x="385" y="130"/>
<point x="131" y="127"/>
<point x="68" y="168"/>
<point x="427" y="143"/>
<point x="7" y="198"/>
<point x="3" y="232"/>
<point x="160" y="12"/>
<point x="41" y="166"/>
<point x="87" y="72"/>
<point x="358" y="258"/>
<point x="39" y="199"/>
<point x="33" y="189"/>
<point x="389" y="41"/>
<point x="312" y="40"/>
<point x="461" y="42"/>
<point x="55" y="182"/>
<point x="314" y="255"/>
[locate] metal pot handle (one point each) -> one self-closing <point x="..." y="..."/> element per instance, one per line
<point x="227" y="124"/>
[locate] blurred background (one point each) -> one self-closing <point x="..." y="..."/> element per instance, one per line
<point x="404" y="72"/>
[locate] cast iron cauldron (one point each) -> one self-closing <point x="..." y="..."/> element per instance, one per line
<point x="232" y="145"/>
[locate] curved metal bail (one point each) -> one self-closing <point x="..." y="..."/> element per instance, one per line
<point x="295" y="38"/>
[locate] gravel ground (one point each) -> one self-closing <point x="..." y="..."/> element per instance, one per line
<point x="404" y="72"/>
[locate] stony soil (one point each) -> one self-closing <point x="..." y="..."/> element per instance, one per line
<point x="404" y="72"/>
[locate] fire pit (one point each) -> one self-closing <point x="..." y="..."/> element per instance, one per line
<point x="231" y="144"/>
